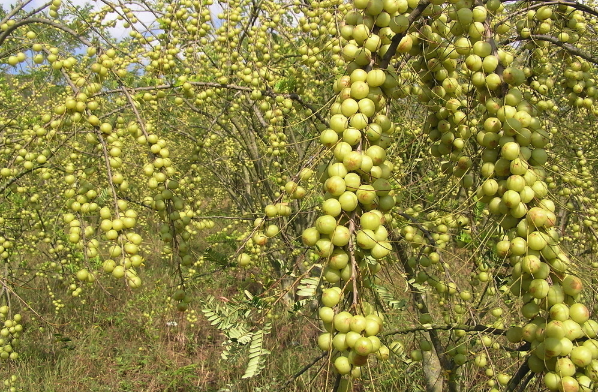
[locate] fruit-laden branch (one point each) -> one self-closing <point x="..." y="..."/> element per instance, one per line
<point x="448" y="327"/>
<point x="247" y="140"/>
<point x="6" y="288"/>
<point x="572" y="4"/>
<point x="576" y="5"/>
<point x="554" y="40"/>
<point x="396" y="40"/>
<point x="126" y="18"/>
<point x="352" y="259"/>
<point x="58" y="26"/>
<point x="269" y="93"/>
<point x="17" y="177"/>
<point x="427" y="234"/>
<point x="255" y="12"/>
<point x="195" y="218"/>
<point x="570" y="48"/>
<point x="541" y="3"/>
<point x="20" y="6"/>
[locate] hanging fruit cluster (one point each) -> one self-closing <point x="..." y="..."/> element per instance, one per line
<point x="485" y="122"/>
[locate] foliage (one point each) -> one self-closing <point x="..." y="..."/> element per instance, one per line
<point x="230" y="320"/>
<point x="423" y="170"/>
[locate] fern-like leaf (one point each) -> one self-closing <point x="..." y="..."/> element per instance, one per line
<point x="257" y="353"/>
<point x="230" y="320"/>
<point x="387" y="297"/>
<point x="307" y="286"/>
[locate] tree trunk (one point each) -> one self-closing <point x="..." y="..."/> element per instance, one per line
<point x="432" y="371"/>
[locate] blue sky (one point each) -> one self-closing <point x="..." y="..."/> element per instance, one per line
<point x="118" y="32"/>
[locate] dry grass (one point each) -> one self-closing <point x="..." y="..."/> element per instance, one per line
<point x="121" y="342"/>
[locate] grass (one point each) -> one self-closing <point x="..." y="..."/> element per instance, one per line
<point x="110" y="339"/>
<point x="123" y="342"/>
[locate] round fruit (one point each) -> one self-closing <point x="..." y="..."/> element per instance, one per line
<point x="342" y="322"/>
<point x="363" y="346"/>
<point x="331" y="297"/>
<point x="342" y="365"/>
<point x="579" y="313"/>
<point x="325" y="341"/>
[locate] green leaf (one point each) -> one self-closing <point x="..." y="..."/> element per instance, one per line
<point x="307" y="287"/>
<point x="257" y="353"/>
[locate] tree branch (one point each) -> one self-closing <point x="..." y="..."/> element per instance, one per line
<point x="568" y="47"/>
<point x="58" y="26"/>
<point x="392" y="50"/>
<point x="448" y="327"/>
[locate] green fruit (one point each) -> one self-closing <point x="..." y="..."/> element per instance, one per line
<point x="348" y="201"/>
<point x="335" y="185"/>
<point x="581" y="356"/>
<point x="416" y="355"/>
<point x="342" y="322"/>
<point x="351" y="338"/>
<point x="339" y="342"/>
<point x="340" y="236"/>
<point x="365" y="239"/>
<point x="370" y="221"/>
<point x="310" y="236"/>
<point x="579" y="313"/>
<point x="325" y="224"/>
<point x="325" y="341"/>
<point x="359" y="90"/>
<point x="326" y="314"/>
<point x="358" y="323"/>
<point x="572" y="285"/>
<point x="342" y="365"/>
<point x="564" y="367"/>
<point x="118" y="271"/>
<point x="363" y="346"/>
<point x="339" y="259"/>
<point x="331" y="297"/>
<point x="82" y="275"/>
<point x="552" y="381"/>
<point x="366" y="194"/>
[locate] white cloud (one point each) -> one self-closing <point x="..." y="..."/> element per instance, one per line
<point x="30" y="6"/>
<point x="147" y="18"/>
<point x="119" y="31"/>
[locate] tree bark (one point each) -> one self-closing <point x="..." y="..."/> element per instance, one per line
<point x="432" y="371"/>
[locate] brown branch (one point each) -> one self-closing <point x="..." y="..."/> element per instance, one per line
<point x="572" y="4"/>
<point x="392" y="50"/>
<point x="270" y="93"/>
<point x="568" y="47"/>
<point x="427" y="234"/>
<point x="305" y="368"/>
<point x="353" y="260"/>
<point x="422" y="308"/>
<point x="448" y="327"/>
<point x="517" y="379"/>
<point x="58" y="26"/>
<point x="17" y="8"/>
<point x="541" y="3"/>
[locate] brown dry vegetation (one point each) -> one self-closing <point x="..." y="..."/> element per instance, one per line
<point x="111" y="339"/>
